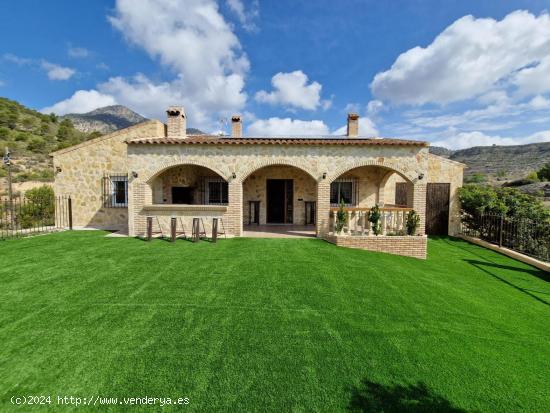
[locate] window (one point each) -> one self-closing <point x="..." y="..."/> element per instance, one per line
<point x="342" y="190"/>
<point x="216" y="192"/>
<point x="115" y="191"/>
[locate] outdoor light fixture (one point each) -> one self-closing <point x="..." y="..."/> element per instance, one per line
<point x="134" y="174"/>
<point x="234" y="175"/>
<point x="420" y="176"/>
<point x="324" y="175"/>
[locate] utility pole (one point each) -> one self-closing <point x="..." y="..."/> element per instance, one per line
<point x="7" y="162"/>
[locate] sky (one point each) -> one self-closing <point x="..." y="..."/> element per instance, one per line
<point x="454" y="73"/>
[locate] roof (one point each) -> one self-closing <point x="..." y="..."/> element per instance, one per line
<point x="266" y="140"/>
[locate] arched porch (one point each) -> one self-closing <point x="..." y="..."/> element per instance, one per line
<point x="279" y="200"/>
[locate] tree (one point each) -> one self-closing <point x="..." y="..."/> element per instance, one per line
<point x="544" y="172"/>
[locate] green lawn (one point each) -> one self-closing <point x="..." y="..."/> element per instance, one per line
<point x="272" y="325"/>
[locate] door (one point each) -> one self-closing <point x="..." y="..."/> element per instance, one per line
<point x="182" y="195"/>
<point x="280" y="201"/>
<point x="437" y="209"/>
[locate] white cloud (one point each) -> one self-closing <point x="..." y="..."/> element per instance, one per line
<point x="21" y="61"/>
<point x="197" y="44"/>
<point x="54" y="71"/>
<point x="287" y="126"/>
<point x="366" y="128"/>
<point x="375" y="106"/>
<point x="292" y="90"/>
<point x="80" y="102"/>
<point x="57" y="72"/>
<point x="465" y="140"/>
<point x="469" y="58"/>
<point x="246" y="16"/>
<point x="535" y="79"/>
<point x="78" y="52"/>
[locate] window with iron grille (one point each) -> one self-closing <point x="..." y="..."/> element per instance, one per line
<point x="115" y="191"/>
<point x="343" y="189"/>
<point x="215" y="191"/>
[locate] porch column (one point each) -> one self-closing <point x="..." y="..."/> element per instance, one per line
<point x="139" y="194"/>
<point x="323" y="207"/>
<point x="419" y="205"/>
<point x="235" y="208"/>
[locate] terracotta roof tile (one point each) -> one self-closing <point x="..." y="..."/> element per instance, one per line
<point x="287" y="140"/>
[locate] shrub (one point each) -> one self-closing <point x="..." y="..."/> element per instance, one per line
<point x="341" y="217"/>
<point x="534" y="176"/>
<point x="39" y="208"/>
<point x="476" y="178"/>
<point x="413" y="219"/>
<point x="374" y="219"/>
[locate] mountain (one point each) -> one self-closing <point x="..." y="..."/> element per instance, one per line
<point x="500" y="163"/>
<point x="105" y="120"/>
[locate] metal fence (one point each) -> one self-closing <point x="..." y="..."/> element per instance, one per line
<point x="521" y="235"/>
<point x="22" y="216"/>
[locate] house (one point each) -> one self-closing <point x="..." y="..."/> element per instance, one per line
<point x="156" y="170"/>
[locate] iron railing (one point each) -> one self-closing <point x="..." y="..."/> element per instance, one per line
<point x="522" y="235"/>
<point x="21" y="216"/>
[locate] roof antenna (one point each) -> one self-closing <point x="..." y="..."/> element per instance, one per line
<point x="223" y="126"/>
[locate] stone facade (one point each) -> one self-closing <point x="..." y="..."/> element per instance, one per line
<point x="154" y="168"/>
<point x="235" y="163"/>
<point x="80" y="169"/>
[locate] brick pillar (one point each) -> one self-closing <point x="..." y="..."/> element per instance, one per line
<point x="323" y="207"/>
<point x="419" y="205"/>
<point x="234" y="214"/>
<point x="139" y="194"/>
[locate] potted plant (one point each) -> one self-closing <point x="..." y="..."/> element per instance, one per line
<point x="341" y="218"/>
<point x="374" y="219"/>
<point x="413" y="219"/>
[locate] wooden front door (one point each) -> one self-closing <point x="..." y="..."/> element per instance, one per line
<point x="280" y="201"/>
<point x="437" y="209"/>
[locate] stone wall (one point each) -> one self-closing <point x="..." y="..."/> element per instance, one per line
<point x="80" y="170"/>
<point x="254" y="189"/>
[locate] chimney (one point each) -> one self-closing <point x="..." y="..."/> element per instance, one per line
<point x="176" y="123"/>
<point x="353" y="125"/>
<point x="236" y="127"/>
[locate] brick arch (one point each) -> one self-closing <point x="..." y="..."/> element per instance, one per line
<point x="167" y="165"/>
<point x="275" y="162"/>
<point x="382" y="163"/>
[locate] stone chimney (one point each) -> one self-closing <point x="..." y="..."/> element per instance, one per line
<point x="236" y="126"/>
<point x="353" y="125"/>
<point x="176" y="123"/>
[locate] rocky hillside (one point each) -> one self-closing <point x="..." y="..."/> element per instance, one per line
<point x="30" y="136"/>
<point x="105" y="120"/>
<point x="500" y="163"/>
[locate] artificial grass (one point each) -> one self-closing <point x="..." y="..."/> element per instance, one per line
<point x="271" y="325"/>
